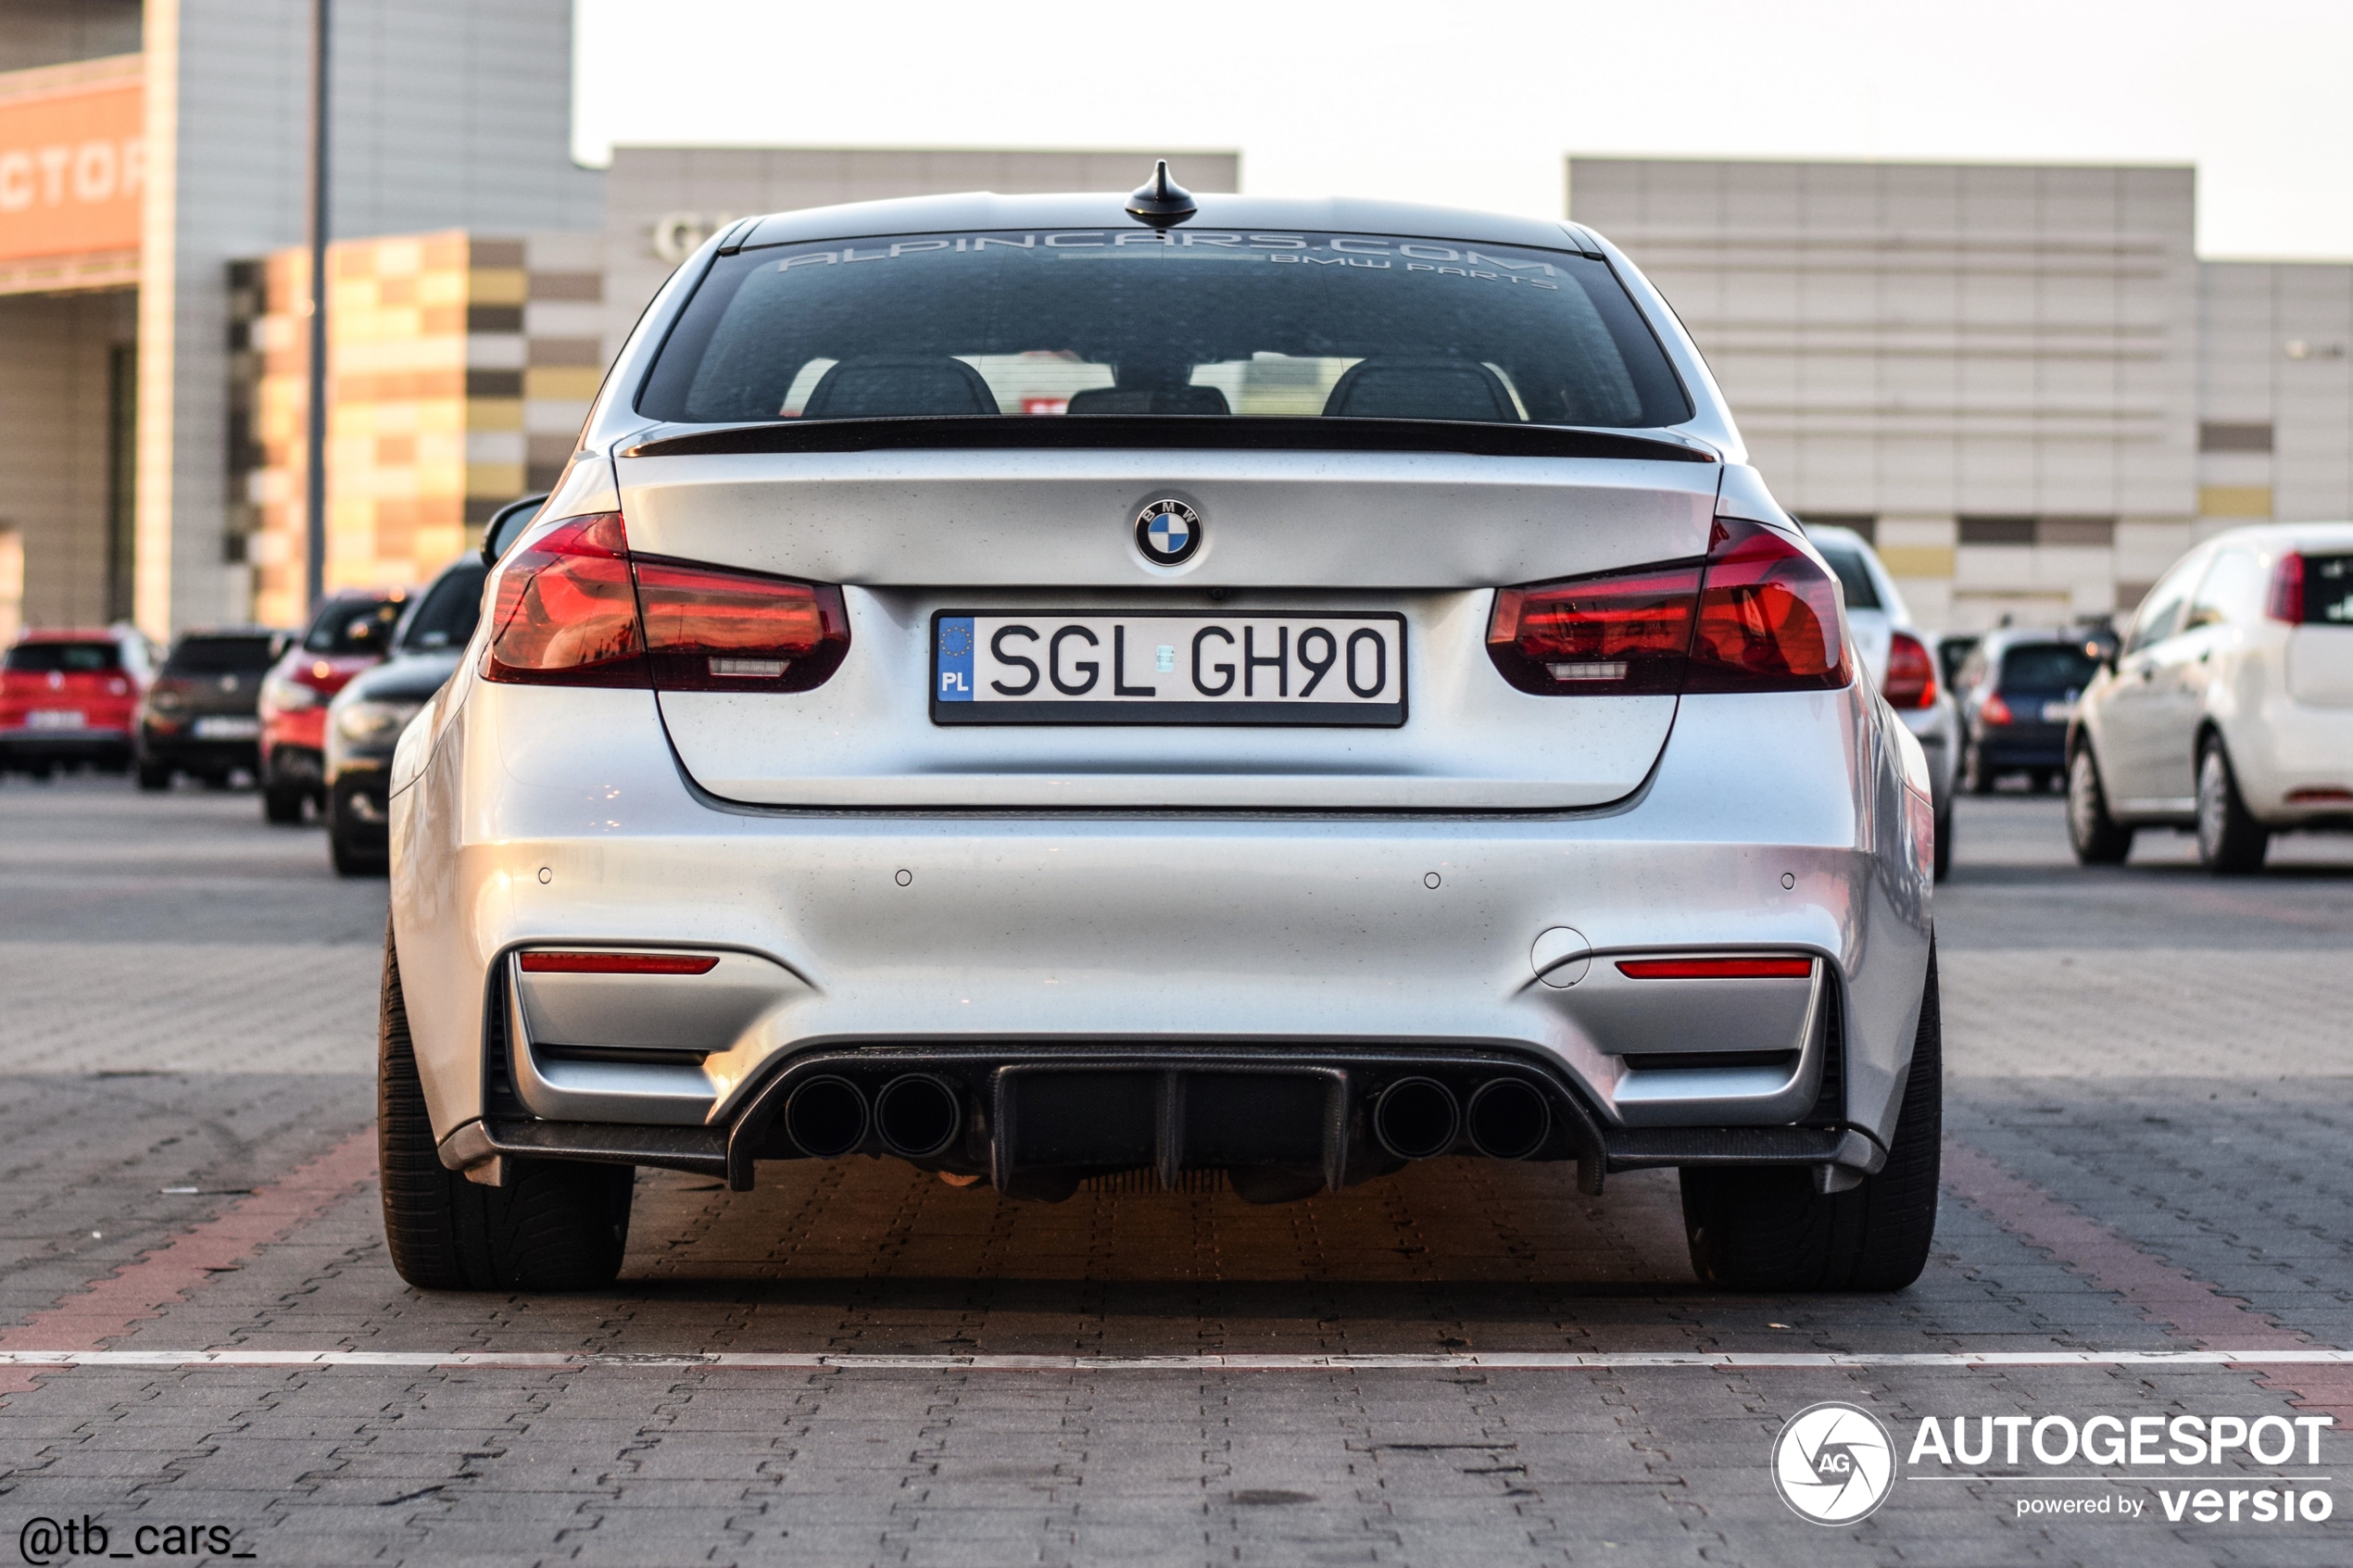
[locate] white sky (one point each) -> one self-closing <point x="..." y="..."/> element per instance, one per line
<point x="1475" y="105"/>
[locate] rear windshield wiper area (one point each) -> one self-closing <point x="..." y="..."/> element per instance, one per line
<point x="1173" y="433"/>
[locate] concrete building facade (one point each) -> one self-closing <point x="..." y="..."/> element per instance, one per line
<point x="149" y="149"/>
<point x="2020" y="381"/>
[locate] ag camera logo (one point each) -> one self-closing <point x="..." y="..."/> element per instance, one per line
<point x="1833" y="1463"/>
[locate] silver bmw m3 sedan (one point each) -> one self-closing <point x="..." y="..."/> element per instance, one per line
<point x="1051" y="688"/>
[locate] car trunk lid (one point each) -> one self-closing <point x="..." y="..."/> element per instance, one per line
<point x="913" y="535"/>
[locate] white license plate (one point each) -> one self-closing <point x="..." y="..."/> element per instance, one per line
<point x="228" y="729"/>
<point x="54" y="719"/>
<point x="1051" y="667"/>
<point x="2058" y="712"/>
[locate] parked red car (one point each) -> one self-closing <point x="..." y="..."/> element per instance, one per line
<point x="70" y="698"/>
<point x="351" y="632"/>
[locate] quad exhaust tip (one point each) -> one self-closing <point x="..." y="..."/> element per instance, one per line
<point x="1420" y="1118"/>
<point x="1508" y="1118"/>
<point x="826" y="1116"/>
<point x="917" y="1115"/>
<point x="1417" y="1117"/>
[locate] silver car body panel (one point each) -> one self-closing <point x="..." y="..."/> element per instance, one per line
<point x="865" y="877"/>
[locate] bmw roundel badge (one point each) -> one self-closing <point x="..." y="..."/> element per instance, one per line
<point x="1168" y="531"/>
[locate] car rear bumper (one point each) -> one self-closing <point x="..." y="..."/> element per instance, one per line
<point x="27" y="745"/>
<point x="186" y="751"/>
<point x="2294" y="768"/>
<point x="1149" y="957"/>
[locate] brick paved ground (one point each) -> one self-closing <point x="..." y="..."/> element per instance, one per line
<point x="186" y="1002"/>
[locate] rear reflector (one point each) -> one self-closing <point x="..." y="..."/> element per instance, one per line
<point x="618" y="964"/>
<point x="578" y="608"/>
<point x="1911" y="673"/>
<point x="2319" y="797"/>
<point x="1715" y="969"/>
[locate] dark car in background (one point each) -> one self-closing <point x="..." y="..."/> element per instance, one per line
<point x="350" y="632"/>
<point x="2019" y="691"/>
<point x="67" y="698"/>
<point x="202" y="714"/>
<point x="364" y="721"/>
<point x="1953" y="649"/>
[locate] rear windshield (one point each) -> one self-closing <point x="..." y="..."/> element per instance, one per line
<point x="73" y="659"/>
<point x="222" y="656"/>
<point x="354" y="626"/>
<point x="2048" y="666"/>
<point x="1180" y="322"/>
<point x="446" y="618"/>
<point x="1854" y="577"/>
<point x="2328" y="590"/>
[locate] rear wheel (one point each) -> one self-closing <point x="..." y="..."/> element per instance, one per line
<point x="1975" y="777"/>
<point x="556" y="1225"/>
<point x="2097" y="838"/>
<point x="281" y="803"/>
<point x="2229" y="841"/>
<point x="1768" y="1229"/>
<point x="153" y="776"/>
<point x="350" y="855"/>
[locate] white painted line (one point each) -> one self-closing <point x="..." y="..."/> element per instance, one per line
<point x="790" y="1360"/>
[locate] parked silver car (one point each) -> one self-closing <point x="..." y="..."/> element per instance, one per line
<point x="1053" y="688"/>
<point x="1891" y="648"/>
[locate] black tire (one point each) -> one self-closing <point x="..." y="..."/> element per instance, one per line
<point x="283" y="804"/>
<point x="1944" y="844"/>
<point x="153" y="776"/>
<point x="2229" y="841"/>
<point x="349" y="859"/>
<point x="1767" y="1230"/>
<point x="1974" y="776"/>
<point x="2097" y="838"/>
<point x="557" y="1224"/>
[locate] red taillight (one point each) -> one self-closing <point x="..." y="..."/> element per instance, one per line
<point x="1994" y="711"/>
<point x="1715" y="969"/>
<point x="1621" y="633"/>
<point x="1756" y="615"/>
<point x="618" y="963"/>
<point x="713" y="631"/>
<point x="1911" y="673"/>
<point x="1769" y="618"/>
<point x="2287" y="590"/>
<point x="578" y="608"/>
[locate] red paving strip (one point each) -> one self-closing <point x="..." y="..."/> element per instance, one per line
<point x="143" y="1289"/>
<point x="2163" y="1294"/>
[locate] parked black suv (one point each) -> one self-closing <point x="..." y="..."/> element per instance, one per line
<point x="201" y="716"/>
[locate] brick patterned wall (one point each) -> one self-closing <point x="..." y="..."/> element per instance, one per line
<point x="453" y="386"/>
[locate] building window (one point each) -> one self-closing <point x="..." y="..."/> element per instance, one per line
<point x="1997" y="530"/>
<point x="122" y="473"/>
<point x="2096" y="532"/>
<point x="2225" y="435"/>
<point x="1863" y="523"/>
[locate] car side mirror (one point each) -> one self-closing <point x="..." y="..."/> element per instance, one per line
<point x="507" y="524"/>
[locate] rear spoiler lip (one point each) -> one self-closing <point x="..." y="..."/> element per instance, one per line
<point x="1174" y="433"/>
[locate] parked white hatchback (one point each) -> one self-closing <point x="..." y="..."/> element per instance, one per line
<point x="2229" y="707"/>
